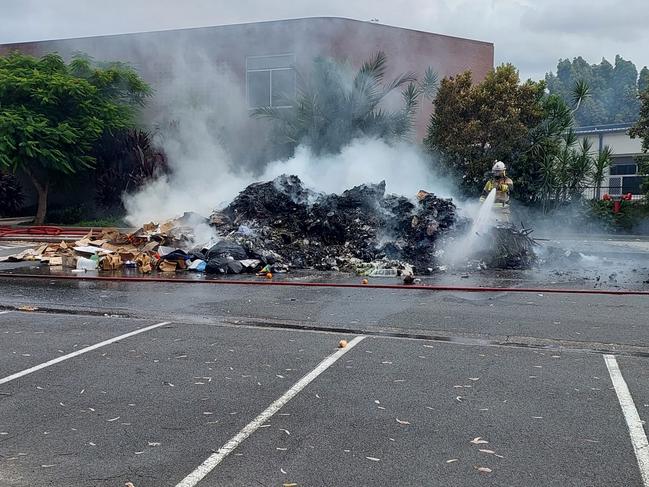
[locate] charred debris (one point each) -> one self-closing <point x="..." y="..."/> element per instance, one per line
<point x="279" y="225"/>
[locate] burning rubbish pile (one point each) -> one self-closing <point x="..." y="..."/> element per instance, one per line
<point x="280" y="225"/>
<point x="362" y="229"/>
<point x="507" y="247"/>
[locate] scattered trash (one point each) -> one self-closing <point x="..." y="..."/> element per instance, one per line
<point x="483" y="469"/>
<point x="274" y="226"/>
<point x="197" y="265"/>
<point x="84" y="264"/>
<point x="342" y="344"/>
<point x="27" y="308"/>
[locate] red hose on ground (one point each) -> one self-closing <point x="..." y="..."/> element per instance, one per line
<point x="43" y="231"/>
<point x="415" y="287"/>
<point x="35" y="231"/>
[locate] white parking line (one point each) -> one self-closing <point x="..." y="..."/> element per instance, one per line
<point x="5" y="312"/>
<point x="215" y="458"/>
<point x="80" y="352"/>
<point x="636" y="430"/>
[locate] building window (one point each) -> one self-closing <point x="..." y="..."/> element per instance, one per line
<point x="623" y="169"/>
<point x="270" y="81"/>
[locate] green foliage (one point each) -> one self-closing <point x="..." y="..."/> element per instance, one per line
<point x="473" y="125"/>
<point x="125" y="162"/>
<point x="641" y="127"/>
<point x="114" y="222"/>
<point x="641" y="130"/>
<point x="556" y="168"/>
<point x="66" y="215"/>
<point x="51" y="113"/>
<point x="643" y="80"/>
<point x="335" y="105"/>
<point x="532" y="132"/>
<point x="11" y="195"/>
<point x="631" y="214"/>
<point x="600" y="164"/>
<point x="613" y="89"/>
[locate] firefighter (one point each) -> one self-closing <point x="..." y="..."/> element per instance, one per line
<point x="503" y="186"/>
<point x="501" y="182"/>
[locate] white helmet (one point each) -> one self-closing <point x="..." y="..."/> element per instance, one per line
<point x="499" y="167"/>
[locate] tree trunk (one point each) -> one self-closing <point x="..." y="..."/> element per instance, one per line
<point x="42" y="203"/>
<point x="42" y="190"/>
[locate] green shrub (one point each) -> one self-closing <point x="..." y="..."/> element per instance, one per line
<point x="631" y="214"/>
<point x="11" y="195"/>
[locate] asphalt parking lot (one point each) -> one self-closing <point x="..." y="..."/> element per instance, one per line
<point x="102" y="401"/>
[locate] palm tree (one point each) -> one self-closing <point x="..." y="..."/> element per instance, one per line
<point x="335" y="105"/>
<point x="601" y="163"/>
<point x="580" y="92"/>
<point x="564" y="165"/>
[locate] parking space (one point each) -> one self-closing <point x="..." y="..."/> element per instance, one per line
<point x="636" y="373"/>
<point x="407" y="413"/>
<point x="150" y="408"/>
<point x="28" y="339"/>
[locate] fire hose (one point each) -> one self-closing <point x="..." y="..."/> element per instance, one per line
<point x="400" y="287"/>
<point x="42" y="231"/>
<point x="35" y="231"/>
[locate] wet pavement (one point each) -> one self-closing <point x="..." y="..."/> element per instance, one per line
<point x="103" y="383"/>
<point x="605" y="263"/>
<point x="150" y="408"/>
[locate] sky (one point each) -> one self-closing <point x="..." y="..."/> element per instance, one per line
<point x="531" y="34"/>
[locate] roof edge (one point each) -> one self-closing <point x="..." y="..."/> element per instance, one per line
<point x="294" y="19"/>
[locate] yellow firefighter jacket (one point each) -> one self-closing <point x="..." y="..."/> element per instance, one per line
<point x="503" y="187"/>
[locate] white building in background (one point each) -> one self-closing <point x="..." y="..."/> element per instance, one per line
<point x="622" y="176"/>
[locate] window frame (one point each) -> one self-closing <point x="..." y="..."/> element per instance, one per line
<point x="270" y="70"/>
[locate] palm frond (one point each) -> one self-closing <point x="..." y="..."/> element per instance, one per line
<point x="375" y="66"/>
<point x="580" y="92"/>
<point x="430" y="83"/>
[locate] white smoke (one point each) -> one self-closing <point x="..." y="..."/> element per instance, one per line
<point x="403" y="167"/>
<point x="202" y="179"/>
<point x="199" y="105"/>
<point x="203" y="125"/>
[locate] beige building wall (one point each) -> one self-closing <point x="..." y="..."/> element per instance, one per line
<point x="618" y="180"/>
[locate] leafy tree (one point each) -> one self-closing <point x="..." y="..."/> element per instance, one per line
<point x="556" y="166"/>
<point x="335" y="105"/>
<point x="641" y="130"/>
<point x="641" y="127"/>
<point x="51" y="114"/>
<point x="518" y="123"/>
<point x="643" y="80"/>
<point x="614" y="89"/>
<point x="126" y="161"/>
<point x="473" y="125"/>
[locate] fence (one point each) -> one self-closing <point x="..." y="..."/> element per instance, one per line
<point x="592" y="193"/>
